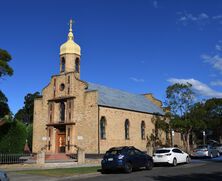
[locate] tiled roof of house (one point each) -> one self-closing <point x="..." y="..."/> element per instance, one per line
<point x="120" y="99"/>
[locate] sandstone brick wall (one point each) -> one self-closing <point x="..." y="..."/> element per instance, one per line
<point x="38" y="126"/>
<point x="177" y="139"/>
<point x="87" y="126"/>
<point x="115" y="131"/>
<point x="153" y="99"/>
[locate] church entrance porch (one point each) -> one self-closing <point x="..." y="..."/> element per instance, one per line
<point x="60" y="138"/>
<point x="60" y="145"/>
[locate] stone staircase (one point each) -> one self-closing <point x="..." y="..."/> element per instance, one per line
<point x="57" y="156"/>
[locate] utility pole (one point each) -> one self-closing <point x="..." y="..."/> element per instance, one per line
<point x="172" y="133"/>
<point x="204" y="137"/>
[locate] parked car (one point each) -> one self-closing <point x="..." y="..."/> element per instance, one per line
<point x="205" y="151"/>
<point x="3" y="176"/>
<point x="171" y="155"/>
<point x="126" y="158"/>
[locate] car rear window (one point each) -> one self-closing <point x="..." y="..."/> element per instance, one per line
<point x="114" y="152"/>
<point x="201" y="147"/>
<point x="162" y="151"/>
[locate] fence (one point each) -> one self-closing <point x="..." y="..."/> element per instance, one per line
<point x="14" y="158"/>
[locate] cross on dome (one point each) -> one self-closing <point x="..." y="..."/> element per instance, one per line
<point x="70" y="25"/>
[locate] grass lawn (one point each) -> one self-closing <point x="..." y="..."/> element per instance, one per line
<point x="62" y="172"/>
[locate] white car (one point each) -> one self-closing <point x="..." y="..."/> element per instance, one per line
<point x="170" y="155"/>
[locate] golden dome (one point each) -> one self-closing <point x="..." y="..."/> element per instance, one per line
<point x="70" y="46"/>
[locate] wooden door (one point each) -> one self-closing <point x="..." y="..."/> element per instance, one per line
<point x="61" y="142"/>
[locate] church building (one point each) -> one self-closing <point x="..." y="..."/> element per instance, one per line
<point x="72" y="113"/>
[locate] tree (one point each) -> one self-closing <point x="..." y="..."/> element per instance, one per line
<point x="12" y="136"/>
<point x="29" y="130"/>
<point x="212" y="116"/>
<point x="180" y="99"/>
<point x="5" y="69"/>
<point x="160" y="125"/>
<point x="26" y="113"/>
<point x="4" y="108"/>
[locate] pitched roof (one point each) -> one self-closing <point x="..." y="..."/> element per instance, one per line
<point x="120" y="99"/>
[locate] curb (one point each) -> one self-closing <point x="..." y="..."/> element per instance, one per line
<point x="87" y="175"/>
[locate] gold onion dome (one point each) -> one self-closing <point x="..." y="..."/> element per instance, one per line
<point x="70" y="46"/>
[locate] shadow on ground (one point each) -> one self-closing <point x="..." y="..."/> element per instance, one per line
<point x="203" y="177"/>
<point x="216" y="159"/>
<point x="120" y="171"/>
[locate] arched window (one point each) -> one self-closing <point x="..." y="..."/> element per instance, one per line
<point x="77" y="65"/>
<point x="103" y="128"/>
<point x="62" y="111"/>
<point x="127" y="129"/>
<point x="63" y="63"/>
<point x="143" y="130"/>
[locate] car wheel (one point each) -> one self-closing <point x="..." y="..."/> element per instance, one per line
<point x="211" y="155"/>
<point x="188" y="159"/>
<point x="149" y="165"/>
<point x="218" y="154"/>
<point x="128" y="167"/>
<point x="104" y="171"/>
<point x="174" y="162"/>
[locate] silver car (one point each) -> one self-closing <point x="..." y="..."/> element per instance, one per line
<point x="219" y="148"/>
<point x="3" y="176"/>
<point x="205" y="151"/>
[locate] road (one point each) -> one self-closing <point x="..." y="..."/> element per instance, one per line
<point x="203" y="170"/>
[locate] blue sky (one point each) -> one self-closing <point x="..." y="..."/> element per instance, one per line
<point x="139" y="46"/>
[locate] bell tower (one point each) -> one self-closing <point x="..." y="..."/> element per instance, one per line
<point x="70" y="53"/>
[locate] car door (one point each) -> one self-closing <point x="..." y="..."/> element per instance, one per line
<point x="132" y="158"/>
<point x="141" y="158"/>
<point x="183" y="156"/>
<point x="178" y="154"/>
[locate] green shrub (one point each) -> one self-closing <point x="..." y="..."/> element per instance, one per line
<point x="12" y="137"/>
<point x="29" y="130"/>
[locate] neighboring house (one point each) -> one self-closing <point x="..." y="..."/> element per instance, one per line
<point x="73" y="113"/>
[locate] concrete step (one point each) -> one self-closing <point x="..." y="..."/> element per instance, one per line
<point x="57" y="156"/>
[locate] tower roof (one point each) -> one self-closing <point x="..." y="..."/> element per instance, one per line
<point x="70" y="46"/>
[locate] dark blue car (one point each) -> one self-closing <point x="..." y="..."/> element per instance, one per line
<point x="126" y="158"/>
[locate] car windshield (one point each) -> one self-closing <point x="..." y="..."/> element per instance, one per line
<point x="162" y="151"/>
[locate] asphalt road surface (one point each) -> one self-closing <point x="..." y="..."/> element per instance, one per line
<point x="201" y="170"/>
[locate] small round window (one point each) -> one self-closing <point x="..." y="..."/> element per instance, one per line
<point x="62" y="87"/>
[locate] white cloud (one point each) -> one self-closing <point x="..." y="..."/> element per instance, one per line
<point x="200" y="19"/>
<point x="218" y="47"/>
<point x="216" y="83"/>
<point x="203" y="16"/>
<point x="188" y="17"/>
<point x="215" y="61"/>
<point x="213" y="75"/>
<point x="198" y="87"/>
<point x="136" y="79"/>
<point x="217" y="17"/>
<point x="155" y="4"/>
